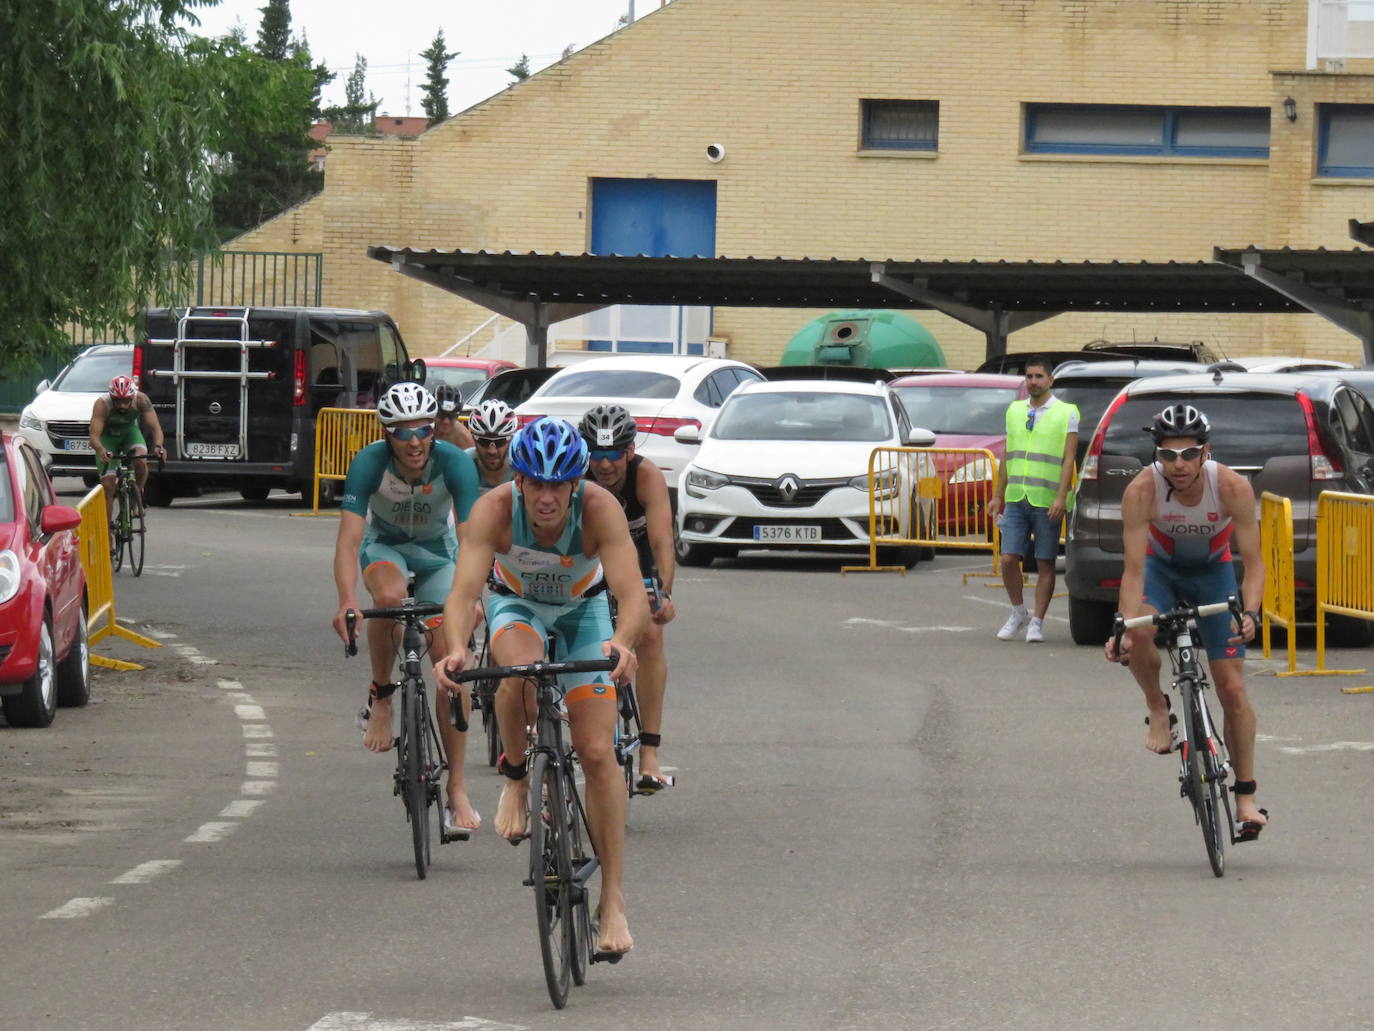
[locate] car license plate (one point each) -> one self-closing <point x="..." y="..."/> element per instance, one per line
<point x="78" y="444"/>
<point x="786" y="533"/>
<point x="198" y="450"/>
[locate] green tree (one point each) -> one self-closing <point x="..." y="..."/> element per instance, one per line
<point x="434" y="96"/>
<point x="109" y="120"/>
<point x="520" y="71"/>
<point x="300" y="48"/>
<point x="274" y="32"/>
<point x="359" y="110"/>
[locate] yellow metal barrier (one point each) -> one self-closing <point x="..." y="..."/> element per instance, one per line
<point x="94" y="542"/>
<point x="1276" y="545"/>
<point x="1345" y="558"/>
<point x="340" y="433"/>
<point x="929" y="497"/>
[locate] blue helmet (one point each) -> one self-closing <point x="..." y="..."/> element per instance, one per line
<point x="550" y="450"/>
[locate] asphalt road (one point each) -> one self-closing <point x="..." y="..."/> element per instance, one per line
<point x="884" y="818"/>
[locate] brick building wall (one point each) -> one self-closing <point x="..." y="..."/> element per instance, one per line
<point x="779" y="84"/>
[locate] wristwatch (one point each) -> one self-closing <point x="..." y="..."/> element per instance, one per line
<point x="1254" y="617"/>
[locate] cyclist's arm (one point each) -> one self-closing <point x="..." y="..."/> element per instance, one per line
<point x="658" y="514"/>
<point x="98" y="427"/>
<point x="1137" y="505"/>
<point x="1238" y="497"/>
<point x="149" y="418"/>
<point x="608" y="535"/>
<point x="346" y="547"/>
<point x="475" y="559"/>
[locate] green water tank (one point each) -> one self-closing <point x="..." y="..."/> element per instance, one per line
<point x="871" y="339"/>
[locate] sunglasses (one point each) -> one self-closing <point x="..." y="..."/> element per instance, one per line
<point x="606" y="456"/>
<point x="413" y="432"/>
<point x="1168" y="454"/>
<point x="1030" y="420"/>
<point x="491" y="441"/>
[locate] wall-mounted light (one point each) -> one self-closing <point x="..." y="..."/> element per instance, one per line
<point x="1290" y="109"/>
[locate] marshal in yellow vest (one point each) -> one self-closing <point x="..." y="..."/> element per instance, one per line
<point x="1035" y="457"/>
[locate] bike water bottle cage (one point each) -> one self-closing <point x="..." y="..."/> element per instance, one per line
<point x="382" y="690"/>
<point x="510" y="770"/>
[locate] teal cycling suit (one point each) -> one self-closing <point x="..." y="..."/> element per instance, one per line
<point x="539" y="590"/>
<point x="409" y="522"/>
<point x="482" y="485"/>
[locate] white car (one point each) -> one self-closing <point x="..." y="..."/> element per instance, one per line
<point x="1273" y="363"/>
<point x="786" y="463"/>
<point x="662" y="392"/>
<point x="58" y="421"/>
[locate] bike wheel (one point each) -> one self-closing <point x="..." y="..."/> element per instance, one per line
<point x="136" y="537"/>
<point x="551" y="875"/>
<point x="578" y="837"/>
<point x="1208" y="790"/>
<point x="118" y="530"/>
<point x="413" y="767"/>
<point x="487" y="691"/>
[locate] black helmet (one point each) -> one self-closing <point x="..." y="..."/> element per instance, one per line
<point x="450" y="399"/>
<point x="608" y="426"/>
<point x="1180" y="420"/>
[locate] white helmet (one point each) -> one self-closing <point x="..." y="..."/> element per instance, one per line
<point x="493" y="418"/>
<point x="404" y="402"/>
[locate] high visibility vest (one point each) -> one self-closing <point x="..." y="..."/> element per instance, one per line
<point x="1035" y="457"/>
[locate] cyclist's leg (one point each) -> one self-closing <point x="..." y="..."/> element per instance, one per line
<point x="517" y="637"/>
<point x="1160" y="596"/>
<point x="384" y="576"/>
<point x="133" y="441"/>
<point x="106" y="470"/>
<point x="592" y="711"/>
<point x="651" y="684"/>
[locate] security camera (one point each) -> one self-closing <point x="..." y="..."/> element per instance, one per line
<point x="715" y="152"/>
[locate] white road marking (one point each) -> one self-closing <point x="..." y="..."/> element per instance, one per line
<point x="164" y="570"/>
<point x="161" y="635"/>
<point x="1335" y="746"/>
<point x="145" y="872"/>
<point x="240" y="696"/>
<point x="260" y="750"/>
<point x="239" y="808"/>
<point x="193" y="655"/>
<point x="258" y="787"/>
<point x="367" y="1022"/>
<point x="208" y="832"/>
<point x="261" y="769"/>
<point x="1273" y="737"/>
<point x="229" y="685"/>
<point x="256" y="730"/>
<point x="250" y="712"/>
<point x="893" y="625"/>
<point x="76" y="908"/>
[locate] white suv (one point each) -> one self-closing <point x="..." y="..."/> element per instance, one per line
<point x="58" y="421"/>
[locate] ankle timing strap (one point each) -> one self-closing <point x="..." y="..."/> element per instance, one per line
<point x="510" y="770"/>
<point x="650" y="740"/>
<point x="1244" y="787"/>
<point x="382" y="690"/>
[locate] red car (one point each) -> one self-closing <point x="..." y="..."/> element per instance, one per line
<point x="44" y="660"/>
<point x="467" y="374"/>
<point x="964" y="410"/>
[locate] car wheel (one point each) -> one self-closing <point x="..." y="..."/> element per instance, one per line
<point x="158" y="492"/>
<point x="694" y="554"/>
<point x="254" y="493"/>
<point x="74" y="672"/>
<point x="903" y="556"/>
<point x="1348" y="632"/>
<point x="89" y="481"/>
<point x="1090" y="622"/>
<point x="36" y="704"/>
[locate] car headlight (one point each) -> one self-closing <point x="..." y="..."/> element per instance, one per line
<point x="9" y="575"/>
<point x="29" y="421"/>
<point x="973" y="472"/>
<point x="704" y="479"/>
<point x="886" y="483"/>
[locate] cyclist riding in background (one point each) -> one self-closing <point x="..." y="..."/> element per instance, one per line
<point x="1180" y="517"/>
<point x="395" y="521"/>
<point x="492" y="424"/>
<point x="447" y="425"/>
<point x="642" y="491"/>
<point x="116" y="422"/>
<point x="550" y="544"/>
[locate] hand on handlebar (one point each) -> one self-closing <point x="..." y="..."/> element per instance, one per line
<point x="453" y="663"/>
<point x="341" y="626"/>
<point x="1118" y="647"/>
<point x="627" y="662"/>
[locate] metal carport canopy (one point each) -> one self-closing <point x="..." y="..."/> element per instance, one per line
<point x="996" y="297"/>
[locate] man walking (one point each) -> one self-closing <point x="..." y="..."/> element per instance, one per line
<point x="1032" y="494"/>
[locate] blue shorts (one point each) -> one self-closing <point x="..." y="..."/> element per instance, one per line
<point x="433" y="562"/>
<point x="581" y="627"/>
<point x="1167" y="585"/>
<point x="1020" y="521"/>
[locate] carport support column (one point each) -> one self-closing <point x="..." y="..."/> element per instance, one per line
<point x="537" y="337"/>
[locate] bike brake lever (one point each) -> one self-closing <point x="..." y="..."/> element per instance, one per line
<point x="351" y="619"/>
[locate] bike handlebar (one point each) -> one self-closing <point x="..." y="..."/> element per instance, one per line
<point x="538" y="670"/>
<point x="1177" y="617"/>
<point x="413" y="609"/>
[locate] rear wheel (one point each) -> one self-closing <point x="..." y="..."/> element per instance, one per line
<point x="551" y="876"/>
<point x="487" y="692"/>
<point x="137" y="532"/>
<point x="254" y="493"/>
<point x="74" y="672"/>
<point x="36" y="703"/>
<point x="1090" y="622"/>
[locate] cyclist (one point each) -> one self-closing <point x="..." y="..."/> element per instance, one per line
<point x="116" y="422"/>
<point x="407" y="483"/>
<point x="492" y="424"/>
<point x="545" y="543"/>
<point x="447" y="425"/>
<point x="642" y="491"/>
<point x="1180" y="517"/>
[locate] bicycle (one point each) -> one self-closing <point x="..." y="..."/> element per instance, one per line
<point x="484" y="701"/>
<point x="1204" y="765"/>
<point x="561" y="864"/>
<point x="420" y="762"/>
<point x="127" y="529"/>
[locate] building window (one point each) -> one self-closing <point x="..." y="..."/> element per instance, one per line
<point x="901" y="125"/>
<point x="1237" y="132"/>
<point x="1345" y="145"/>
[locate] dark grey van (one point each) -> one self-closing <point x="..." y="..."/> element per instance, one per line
<point x="238" y="389"/>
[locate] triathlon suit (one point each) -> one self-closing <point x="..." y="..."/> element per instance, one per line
<point x="638" y="519"/>
<point x="482" y="485"/>
<point x="1188" y="558"/>
<point x="121" y="433"/>
<point x="408" y="523"/>
<point x="541" y="590"/>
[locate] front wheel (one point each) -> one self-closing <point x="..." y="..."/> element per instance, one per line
<point x="551" y="875"/>
<point x="36" y="703"/>
<point x="414" y="765"/>
<point x="137" y="533"/>
<point x="689" y="554"/>
<point x="119" y="528"/>
<point x="1205" y="786"/>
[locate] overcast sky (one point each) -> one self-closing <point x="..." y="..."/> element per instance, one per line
<point x="490" y="37"/>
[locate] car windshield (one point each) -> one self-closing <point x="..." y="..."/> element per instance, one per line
<point x="1092" y="398"/>
<point x="951" y="409"/>
<point x="614" y="383"/>
<point x="465" y="380"/>
<point x="6" y="492"/>
<point x="1247" y="429"/>
<point x="91" y="373"/>
<point x="803" y="416"/>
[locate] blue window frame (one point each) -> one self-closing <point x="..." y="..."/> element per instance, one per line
<point x="1235" y="132"/>
<point x="1345" y="140"/>
<point x="901" y="125"/>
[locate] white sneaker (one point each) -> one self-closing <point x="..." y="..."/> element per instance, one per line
<point x="1035" y="631"/>
<point x="1013" y="625"/>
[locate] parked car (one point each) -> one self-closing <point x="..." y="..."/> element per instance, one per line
<point x="466" y="374"/>
<point x="785" y="465"/>
<point x="1092" y="385"/>
<point x="44" y="661"/>
<point x="238" y="389"/>
<point x="963" y="410"/>
<point x="1273" y="363"/>
<point x="58" y="421"/>
<point x="662" y="392"/>
<point x="1197" y="351"/>
<point x="1015" y="364"/>
<point x="514" y="386"/>
<point x="1294" y="435"/>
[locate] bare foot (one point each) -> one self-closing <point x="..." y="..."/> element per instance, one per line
<point x="512" y="812"/>
<point x="648" y="763"/>
<point x="1248" y="812"/>
<point x="1158" y="738"/>
<point x="612" y="930"/>
<point x="464" y="816"/>
<point x="378" y="736"/>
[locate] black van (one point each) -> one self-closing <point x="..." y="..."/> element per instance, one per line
<point x="237" y="389"/>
